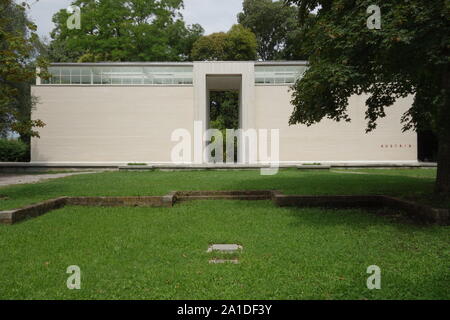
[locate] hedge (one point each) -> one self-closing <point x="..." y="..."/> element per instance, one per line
<point x="13" y="151"/>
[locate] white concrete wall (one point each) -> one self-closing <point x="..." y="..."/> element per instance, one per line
<point x="122" y="124"/>
<point x="335" y="141"/>
<point x="109" y="123"/>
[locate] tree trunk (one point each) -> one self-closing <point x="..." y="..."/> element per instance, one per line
<point x="443" y="172"/>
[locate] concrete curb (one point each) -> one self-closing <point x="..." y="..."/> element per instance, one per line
<point x="118" y="201"/>
<point x="416" y="211"/>
<point x="31" y="211"/>
<point x="38" y="209"/>
<point x="224" y="195"/>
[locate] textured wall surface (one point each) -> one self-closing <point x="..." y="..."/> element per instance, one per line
<point x="335" y="141"/>
<point x="109" y="124"/>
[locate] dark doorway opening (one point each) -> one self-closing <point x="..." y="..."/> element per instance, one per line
<point x="427" y="146"/>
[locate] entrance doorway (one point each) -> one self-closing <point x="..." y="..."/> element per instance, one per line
<point x="224" y="106"/>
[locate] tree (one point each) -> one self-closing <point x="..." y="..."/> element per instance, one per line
<point x="238" y="44"/>
<point x="409" y="55"/>
<point x="224" y="114"/>
<point x="124" y="30"/>
<point x="17" y="70"/>
<point x="276" y="27"/>
<point x="224" y="110"/>
<point x="211" y="47"/>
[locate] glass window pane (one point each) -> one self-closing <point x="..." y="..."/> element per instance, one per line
<point x="278" y="74"/>
<point x="279" y="80"/>
<point x="86" y="79"/>
<point x="116" y="80"/>
<point x="54" y="70"/>
<point x="137" y="79"/>
<point x="290" y="80"/>
<point x="65" y="71"/>
<point x="75" y="79"/>
<point x="118" y="75"/>
<point x="56" y="79"/>
<point x="97" y="78"/>
<point x="148" y="79"/>
<point x="65" y="79"/>
<point x="106" y="79"/>
<point x="126" y="80"/>
<point x="55" y="75"/>
<point x="85" y="71"/>
<point x="106" y="75"/>
<point x="75" y="71"/>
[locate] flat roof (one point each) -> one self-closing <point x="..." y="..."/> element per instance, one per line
<point x="257" y="63"/>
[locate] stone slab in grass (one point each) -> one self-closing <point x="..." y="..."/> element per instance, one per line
<point x="223" y="261"/>
<point x="224" y="248"/>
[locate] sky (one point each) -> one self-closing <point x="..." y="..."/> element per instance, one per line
<point x="212" y="15"/>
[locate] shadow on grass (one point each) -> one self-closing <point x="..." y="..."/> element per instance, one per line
<point x="356" y="219"/>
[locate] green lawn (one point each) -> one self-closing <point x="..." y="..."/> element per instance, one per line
<point x="160" y="253"/>
<point x="410" y="183"/>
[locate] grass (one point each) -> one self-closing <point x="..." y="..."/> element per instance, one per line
<point x="414" y="183"/>
<point x="160" y="253"/>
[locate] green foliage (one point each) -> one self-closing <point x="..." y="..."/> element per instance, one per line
<point x="224" y="114"/>
<point x="400" y="59"/>
<point x="241" y="43"/>
<point x="238" y="44"/>
<point x="409" y="55"/>
<point x="13" y="151"/>
<point x="18" y="63"/>
<point x="276" y="28"/>
<point x="224" y="109"/>
<point x="211" y="47"/>
<point x="124" y="30"/>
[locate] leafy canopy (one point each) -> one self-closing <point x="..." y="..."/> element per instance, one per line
<point x="224" y="109"/>
<point x="17" y="69"/>
<point x="409" y="55"/>
<point x="124" y="30"/>
<point x="238" y="44"/>
<point x="276" y="27"/>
